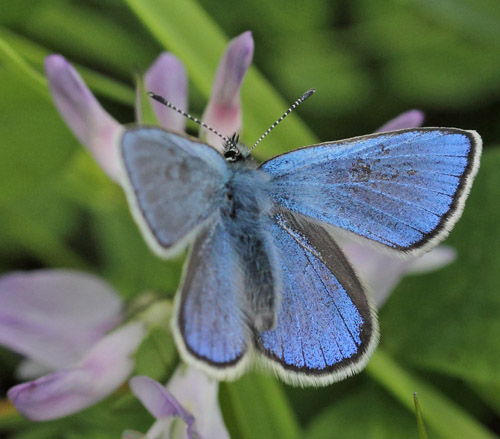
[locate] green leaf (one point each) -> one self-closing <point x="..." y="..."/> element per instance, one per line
<point x="433" y="53"/>
<point x="450" y="317"/>
<point x="143" y="108"/>
<point x="489" y="393"/>
<point x="27" y="158"/>
<point x="365" y="412"/>
<point x="337" y="75"/>
<point x="13" y="63"/>
<point x="478" y="19"/>
<point x="83" y="32"/>
<point x="126" y="259"/>
<point x="157" y="355"/>
<point x="255" y="406"/>
<point x="40" y="224"/>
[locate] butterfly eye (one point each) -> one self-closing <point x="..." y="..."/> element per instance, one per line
<point x="232" y="155"/>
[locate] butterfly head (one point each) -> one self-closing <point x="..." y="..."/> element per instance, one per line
<point x="235" y="151"/>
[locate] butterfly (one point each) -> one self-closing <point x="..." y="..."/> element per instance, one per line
<point x="265" y="278"/>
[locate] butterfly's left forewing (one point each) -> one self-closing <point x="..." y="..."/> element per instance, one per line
<point x="326" y="327"/>
<point x="173" y="183"/>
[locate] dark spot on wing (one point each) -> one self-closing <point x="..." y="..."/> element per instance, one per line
<point x="361" y="171"/>
<point x="409" y="170"/>
<point x="178" y="171"/>
<point x="183" y="172"/>
<point x="169" y="172"/>
<point x="390" y="173"/>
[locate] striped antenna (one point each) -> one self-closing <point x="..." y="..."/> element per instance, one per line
<point x="198" y="121"/>
<point x="287" y="112"/>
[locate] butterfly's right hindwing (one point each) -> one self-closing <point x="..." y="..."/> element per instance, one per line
<point x="210" y="325"/>
<point x="326" y="326"/>
<point x="173" y="184"/>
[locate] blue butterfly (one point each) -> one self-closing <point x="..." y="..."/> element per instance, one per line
<point x="265" y="278"/>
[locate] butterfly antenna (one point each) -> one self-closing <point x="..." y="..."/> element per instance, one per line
<point x="187" y="115"/>
<point x="287" y="112"/>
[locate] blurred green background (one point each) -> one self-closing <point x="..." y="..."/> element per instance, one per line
<point x="369" y="61"/>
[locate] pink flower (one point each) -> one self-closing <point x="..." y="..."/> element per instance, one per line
<point x="79" y="108"/>
<point x="408" y="119"/>
<point x="167" y="78"/>
<point x="187" y="408"/>
<point x="223" y="111"/>
<point x="101" y="134"/>
<point x="60" y="320"/>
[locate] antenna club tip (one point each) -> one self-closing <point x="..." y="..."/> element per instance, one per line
<point x="157" y="98"/>
<point x="308" y="93"/>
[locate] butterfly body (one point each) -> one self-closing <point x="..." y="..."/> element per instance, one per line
<point x="265" y="277"/>
<point x="245" y="213"/>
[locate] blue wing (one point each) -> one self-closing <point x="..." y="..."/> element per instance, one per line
<point x="326" y="326"/>
<point x="404" y="189"/>
<point x="173" y="184"/>
<point x="209" y="323"/>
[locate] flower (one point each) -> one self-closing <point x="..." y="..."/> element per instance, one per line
<point x="60" y="320"/>
<point x="408" y="119"/>
<point x="100" y="133"/>
<point x="382" y="271"/>
<point x="79" y="108"/>
<point x="189" y="396"/>
<point x="223" y="111"/>
<point x="167" y="77"/>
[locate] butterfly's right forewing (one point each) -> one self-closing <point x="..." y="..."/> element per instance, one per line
<point x="173" y="183"/>
<point x="403" y="189"/>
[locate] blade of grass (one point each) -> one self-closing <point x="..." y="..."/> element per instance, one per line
<point x="144" y="112"/>
<point x="31" y="77"/>
<point x="441" y="414"/>
<point x="490" y="394"/>
<point x="35" y="54"/>
<point x="256" y="407"/>
<point x="422" y="433"/>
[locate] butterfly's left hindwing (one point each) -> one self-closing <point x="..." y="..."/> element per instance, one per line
<point x="209" y="325"/>
<point x="326" y="328"/>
